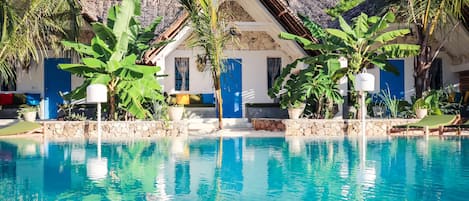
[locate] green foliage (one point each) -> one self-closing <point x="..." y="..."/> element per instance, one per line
<point x="28" y="28"/>
<point x="210" y="33"/>
<point x="111" y="60"/>
<point x="295" y="87"/>
<point x="364" y="43"/>
<point x="342" y="7"/>
<point x="390" y="102"/>
<point x="437" y="102"/>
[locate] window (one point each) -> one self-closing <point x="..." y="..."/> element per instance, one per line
<point x="436" y="74"/>
<point x="11" y="86"/>
<point x="181" y="69"/>
<point x="273" y="70"/>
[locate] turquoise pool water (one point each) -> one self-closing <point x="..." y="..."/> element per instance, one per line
<point x="237" y="169"/>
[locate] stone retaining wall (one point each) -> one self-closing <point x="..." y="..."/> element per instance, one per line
<point x="268" y="124"/>
<point x="80" y="130"/>
<point x="331" y="127"/>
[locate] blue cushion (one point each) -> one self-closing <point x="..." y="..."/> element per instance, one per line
<point x="33" y="99"/>
<point x="208" y="99"/>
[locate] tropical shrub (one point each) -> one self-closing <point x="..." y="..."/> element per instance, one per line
<point x="210" y="34"/>
<point x="427" y="16"/>
<point x="313" y="85"/>
<point x="111" y="60"/>
<point x="364" y="43"/>
<point x="29" y="28"/>
<point x="437" y="102"/>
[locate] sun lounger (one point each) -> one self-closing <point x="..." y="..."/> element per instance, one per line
<point x="428" y="124"/>
<point x="21" y="127"/>
<point x="456" y="128"/>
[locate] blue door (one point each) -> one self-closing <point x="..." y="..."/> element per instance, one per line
<point x="394" y="82"/>
<point x="231" y="84"/>
<point x="55" y="81"/>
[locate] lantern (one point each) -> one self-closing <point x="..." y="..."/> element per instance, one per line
<point x="365" y="82"/>
<point x="96" y="93"/>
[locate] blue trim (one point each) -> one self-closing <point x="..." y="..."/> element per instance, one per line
<point x="231" y="84"/>
<point x="55" y="81"/>
<point x="396" y="83"/>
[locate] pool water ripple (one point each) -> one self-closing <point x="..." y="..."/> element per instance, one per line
<point x="240" y="169"/>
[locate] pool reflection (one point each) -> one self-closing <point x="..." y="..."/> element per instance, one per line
<point x="250" y="169"/>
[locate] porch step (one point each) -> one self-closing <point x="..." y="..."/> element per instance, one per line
<point x="211" y="124"/>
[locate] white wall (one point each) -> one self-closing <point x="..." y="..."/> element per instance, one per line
<point x="254" y="74"/>
<point x="450" y="77"/>
<point x="32" y="81"/>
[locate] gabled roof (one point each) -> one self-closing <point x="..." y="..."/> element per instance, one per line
<point x="174" y="18"/>
<point x="279" y="9"/>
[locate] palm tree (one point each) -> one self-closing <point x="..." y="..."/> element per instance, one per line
<point x="209" y="34"/>
<point x="427" y="16"/>
<point x="30" y="27"/>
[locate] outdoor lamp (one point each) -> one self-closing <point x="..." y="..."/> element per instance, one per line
<point x="365" y="82"/>
<point x="96" y="168"/>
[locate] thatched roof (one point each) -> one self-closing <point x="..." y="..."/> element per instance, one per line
<point x="96" y="10"/>
<point x="285" y="11"/>
<point x="170" y="10"/>
<point x="315" y="10"/>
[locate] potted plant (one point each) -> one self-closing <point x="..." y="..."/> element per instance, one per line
<point x="28" y="113"/>
<point x="420" y="108"/>
<point x="293" y="97"/>
<point x="175" y="111"/>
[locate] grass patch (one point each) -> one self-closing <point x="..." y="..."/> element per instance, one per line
<point x="19" y="127"/>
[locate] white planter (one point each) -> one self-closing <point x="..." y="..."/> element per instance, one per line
<point x="29" y="116"/>
<point x="175" y="113"/>
<point x="421" y="113"/>
<point x="295" y="113"/>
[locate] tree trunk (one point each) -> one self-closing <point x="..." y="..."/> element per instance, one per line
<point x="359" y="108"/>
<point x="422" y="64"/>
<point x="112" y="106"/>
<point x="218" y="97"/>
<point x="219" y="108"/>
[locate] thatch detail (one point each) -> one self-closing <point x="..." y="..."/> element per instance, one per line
<point x="170" y="10"/>
<point x="174" y="18"/>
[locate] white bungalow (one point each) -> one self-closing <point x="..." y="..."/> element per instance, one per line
<point x="253" y="63"/>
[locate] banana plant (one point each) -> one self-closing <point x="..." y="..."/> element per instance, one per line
<point x="111" y="60"/>
<point x="364" y="43"/>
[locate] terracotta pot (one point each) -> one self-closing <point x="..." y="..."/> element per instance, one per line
<point x="421" y="113"/>
<point x="175" y="113"/>
<point x="29" y="116"/>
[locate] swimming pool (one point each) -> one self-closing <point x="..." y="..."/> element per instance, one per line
<point x="237" y="169"/>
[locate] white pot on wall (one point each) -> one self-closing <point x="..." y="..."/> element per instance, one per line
<point x="421" y="113"/>
<point x="175" y="113"/>
<point x="30" y="116"/>
<point x="295" y="113"/>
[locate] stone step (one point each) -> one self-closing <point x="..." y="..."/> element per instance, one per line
<point x="226" y="121"/>
<point x="199" y="126"/>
